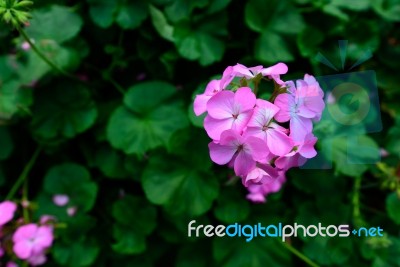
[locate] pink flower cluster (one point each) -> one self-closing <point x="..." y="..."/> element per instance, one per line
<point x="29" y="241"/>
<point x="249" y="134"/>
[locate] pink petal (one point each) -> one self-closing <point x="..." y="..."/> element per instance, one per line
<point x="44" y="236"/>
<point x="284" y="102"/>
<point x="221" y="154"/>
<point x="36" y="260"/>
<point x="244" y="163"/>
<point x="221" y="105"/>
<point x="240" y="70"/>
<point x="278" y="143"/>
<point x="242" y="120"/>
<point x="25" y="232"/>
<point x="256" y="147"/>
<point x="279" y="68"/>
<point x="213" y="87"/>
<point x="245" y="98"/>
<point x="23" y="249"/>
<point x="215" y="127"/>
<point x="299" y="128"/>
<point x="200" y="104"/>
<point x="60" y="200"/>
<point x="307" y="150"/>
<point x="227" y="77"/>
<point x="263" y="113"/>
<point x="7" y="210"/>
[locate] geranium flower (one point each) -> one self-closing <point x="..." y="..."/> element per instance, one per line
<point x="229" y="110"/>
<point x="244" y="150"/>
<point x="261" y="125"/>
<point x="258" y="192"/>
<point x="31" y="240"/>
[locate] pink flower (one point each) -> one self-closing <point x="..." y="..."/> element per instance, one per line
<point x="258" y="193"/>
<point x="302" y="151"/>
<point x="71" y="211"/>
<point x="259" y="175"/>
<point x="7" y="209"/>
<point x="200" y="102"/>
<point x="229" y="110"/>
<point x="60" y="200"/>
<point x="244" y="150"/>
<point x="11" y="264"/>
<point x="262" y="126"/>
<point x="31" y="240"/>
<point x="300" y="105"/>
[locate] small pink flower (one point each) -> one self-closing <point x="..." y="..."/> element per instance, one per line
<point x="44" y="219"/>
<point x="60" y="200"/>
<point x="25" y="46"/>
<point x="244" y="150"/>
<point x="7" y="209"/>
<point x="229" y="110"/>
<point x="31" y="240"/>
<point x="302" y="151"/>
<point x="260" y="175"/>
<point x="71" y="211"/>
<point x="258" y="193"/>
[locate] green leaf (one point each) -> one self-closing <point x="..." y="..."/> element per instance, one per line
<point x="393" y="207"/>
<point x="102" y="12"/>
<point x="74" y="181"/>
<point x="145" y="122"/>
<point x="178" y="187"/>
<point x="14" y="98"/>
<point x="111" y="162"/>
<point x="136" y="219"/>
<point x="147" y="96"/>
<point x="6" y="144"/>
<point x="181" y="9"/>
<point x="236" y="252"/>
<point x="271" y="47"/>
<point x="231" y="206"/>
<point x="356" y="5"/>
<point x="76" y="254"/>
<point x="47" y="22"/>
<point x="279" y="16"/>
<point x="329" y="251"/>
<point x="35" y="68"/>
<point x="309" y="40"/>
<point x="388" y="9"/>
<point x="160" y="23"/>
<point x="63" y="112"/>
<point x="131" y="14"/>
<point x="351" y="154"/>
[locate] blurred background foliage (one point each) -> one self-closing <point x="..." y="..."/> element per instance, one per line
<point x="120" y="137"/>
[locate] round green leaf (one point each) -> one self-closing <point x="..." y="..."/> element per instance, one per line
<point x="76" y="254"/>
<point x="47" y="23"/>
<point x="102" y="12"/>
<point x="271" y="47"/>
<point x="179" y="188"/>
<point x="74" y="181"/>
<point x="13" y="98"/>
<point x="63" y="112"/>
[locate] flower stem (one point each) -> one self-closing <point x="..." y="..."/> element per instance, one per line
<point x="41" y="55"/>
<point x="299" y="254"/>
<point x="24" y="174"/>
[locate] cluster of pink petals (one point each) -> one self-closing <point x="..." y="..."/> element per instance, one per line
<point x="246" y="133"/>
<point x="31" y="241"/>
